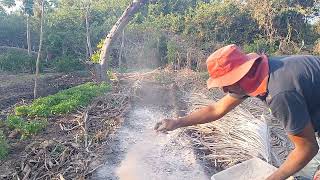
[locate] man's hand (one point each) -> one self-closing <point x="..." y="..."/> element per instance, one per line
<point x="306" y="148"/>
<point x="166" y="125"/>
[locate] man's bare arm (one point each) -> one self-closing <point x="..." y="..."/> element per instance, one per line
<point x="211" y="112"/>
<point x="306" y="148"/>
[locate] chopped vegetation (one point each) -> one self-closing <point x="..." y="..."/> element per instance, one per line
<point x="164" y="78"/>
<point x="3" y="146"/>
<point x="63" y="102"/>
<point x="24" y="127"/>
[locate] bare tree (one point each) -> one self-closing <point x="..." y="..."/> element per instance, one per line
<point x="121" y="49"/>
<point x="28" y="11"/>
<point x="35" y="93"/>
<point x="88" y="35"/>
<point x="87" y="16"/>
<point x="118" y="27"/>
<point x="28" y="35"/>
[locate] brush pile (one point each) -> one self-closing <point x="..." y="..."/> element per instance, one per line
<point x="77" y="152"/>
<point x="236" y="137"/>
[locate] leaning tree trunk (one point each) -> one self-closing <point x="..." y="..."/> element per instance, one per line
<point x="112" y="36"/>
<point x="35" y="93"/>
<point x="28" y="35"/>
<point x="121" y="50"/>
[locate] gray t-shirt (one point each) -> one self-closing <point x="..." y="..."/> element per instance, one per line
<point x="294" y="91"/>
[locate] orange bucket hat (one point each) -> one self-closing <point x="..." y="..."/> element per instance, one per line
<point x="228" y="65"/>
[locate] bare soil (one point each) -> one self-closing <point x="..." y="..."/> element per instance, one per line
<point x="19" y="87"/>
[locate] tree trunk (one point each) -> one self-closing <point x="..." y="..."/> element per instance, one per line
<point x="121" y="50"/>
<point x="28" y="35"/>
<point x="35" y="93"/>
<point x="97" y="69"/>
<point x="88" y="31"/>
<point x="189" y="58"/>
<point x="118" y="27"/>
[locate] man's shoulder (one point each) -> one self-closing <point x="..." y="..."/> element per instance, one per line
<point x="287" y="73"/>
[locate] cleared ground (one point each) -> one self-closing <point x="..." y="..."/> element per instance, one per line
<point x="123" y="145"/>
<point x="139" y="153"/>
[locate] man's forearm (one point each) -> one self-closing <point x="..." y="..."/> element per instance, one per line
<point x="210" y="113"/>
<point x="201" y="116"/>
<point x="296" y="160"/>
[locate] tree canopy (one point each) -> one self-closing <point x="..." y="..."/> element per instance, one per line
<point x="189" y="26"/>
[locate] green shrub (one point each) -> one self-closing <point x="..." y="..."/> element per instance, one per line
<point x="3" y="146"/>
<point x="68" y="64"/>
<point x="173" y="49"/>
<point x="17" y="61"/>
<point x="26" y="128"/>
<point x="260" y="46"/>
<point x="63" y="102"/>
<point x="21" y="110"/>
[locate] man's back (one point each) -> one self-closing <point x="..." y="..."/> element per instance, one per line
<point x="294" y="90"/>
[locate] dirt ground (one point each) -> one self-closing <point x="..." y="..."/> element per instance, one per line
<point x="17" y="87"/>
<point x="137" y="152"/>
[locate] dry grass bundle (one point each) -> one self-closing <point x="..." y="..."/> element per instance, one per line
<point x="236" y="137"/>
<point x="248" y="131"/>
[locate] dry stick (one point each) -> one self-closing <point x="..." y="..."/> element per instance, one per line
<point x="94" y="169"/>
<point x="66" y="129"/>
<point x="27" y="174"/>
<point x="61" y="177"/>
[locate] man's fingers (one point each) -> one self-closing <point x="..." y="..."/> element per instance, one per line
<point x="156" y="127"/>
<point x="161" y="127"/>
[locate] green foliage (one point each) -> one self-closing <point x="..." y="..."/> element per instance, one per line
<point x="3" y="146"/>
<point x="172" y="52"/>
<point x="96" y="55"/>
<point x="26" y="128"/>
<point x="68" y="64"/>
<point x="17" y="61"/>
<point x="28" y="7"/>
<point x="260" y="46"/>
<point x="63" y="102"/>
<point x="12" y="30"/>
<point x="163" y="50"/>
<point x="203" y="24"/>
<point x="220" y="22"/>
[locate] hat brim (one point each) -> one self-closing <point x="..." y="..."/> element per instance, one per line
<point x="234" y="75"/>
